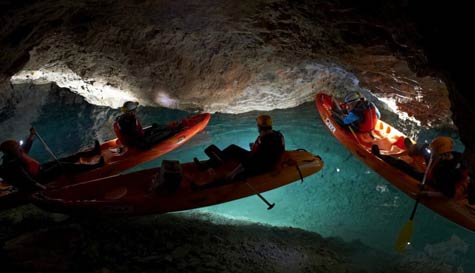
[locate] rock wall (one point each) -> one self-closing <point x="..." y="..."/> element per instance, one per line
<point x="237" y="56"/>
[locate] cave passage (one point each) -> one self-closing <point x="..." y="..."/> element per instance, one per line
<point x="346" y="199"/>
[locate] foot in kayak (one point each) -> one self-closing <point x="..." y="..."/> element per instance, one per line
<point x="101" y="162"/>
<point x="375" y="150"/>
<point x="97" y="147"/>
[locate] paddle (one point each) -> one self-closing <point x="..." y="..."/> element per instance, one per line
<point x="46" y="146"/>
<point x="54" y="156"/>
<point x="405" y="234"/>
<point x="270" y="206"/>
<point x="354" y="134"/>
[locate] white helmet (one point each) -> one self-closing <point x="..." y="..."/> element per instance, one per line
<point x="353" y="96"/>
<point x="129" y="106"/>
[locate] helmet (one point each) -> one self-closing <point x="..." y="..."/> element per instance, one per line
<point x="442" y="145"/>
<point x="353" y="96"/>
<point x="264" y="121"/>
<point x="9" y="146"/>
<point x="129" y="106"/>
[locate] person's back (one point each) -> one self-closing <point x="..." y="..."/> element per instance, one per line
<point x="265" y="152"/>
<point x="267" y="149"/>
<point x="127" y="127"/>
<point x="448" y="171"/>
<point x="447" y="174"/>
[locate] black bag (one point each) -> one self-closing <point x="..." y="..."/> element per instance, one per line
<point x="170" y="175"/>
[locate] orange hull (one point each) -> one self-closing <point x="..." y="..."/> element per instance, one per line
<point x="116" y="162"/>
<point x="388" y="139"/>
<point x="133" y="193"/>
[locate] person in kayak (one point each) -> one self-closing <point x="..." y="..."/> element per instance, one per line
<point x="25" y="173"/>
<point x="449" y="172"/>
<point x="265" y="152"/>
<point x="127" y="127"/>
<point x="129" y="131"/>
<point x="360" y="114"/>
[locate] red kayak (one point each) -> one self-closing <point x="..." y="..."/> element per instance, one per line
<point x="118" y="158"/>
<point x="174" y="187"/>
<point x="391" y="142"/>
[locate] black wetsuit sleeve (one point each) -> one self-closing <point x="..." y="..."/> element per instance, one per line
<point x="26" y="146"/>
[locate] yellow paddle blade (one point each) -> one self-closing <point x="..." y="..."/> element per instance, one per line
<point x="404" y="238"/>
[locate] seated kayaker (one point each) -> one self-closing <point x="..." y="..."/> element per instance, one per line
<point x="129" y="131"/>
<point x="448" y="172"/>
<point x="265" y="152"/>
<point x="127" y="127"/>
<point x="359" y="113"/>
<point x="24" y="172"/>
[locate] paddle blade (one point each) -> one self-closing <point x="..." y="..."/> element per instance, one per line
<point x="404" y="238"/>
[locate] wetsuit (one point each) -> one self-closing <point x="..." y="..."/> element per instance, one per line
<point x="24" y="172"/>
<point x="265" y="153"/>
<point x="446" y="175"/>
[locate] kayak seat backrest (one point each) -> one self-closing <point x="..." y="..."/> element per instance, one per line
<point x="170" y="175"/>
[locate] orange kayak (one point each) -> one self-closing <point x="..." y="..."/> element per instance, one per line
<point x="391" y="142"/>
<point x="173" y="187"/>
<point x="118" y="159"/>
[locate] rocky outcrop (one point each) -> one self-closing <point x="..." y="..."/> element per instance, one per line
<point x="187" y="242"/>
<point x="222" y="56"/>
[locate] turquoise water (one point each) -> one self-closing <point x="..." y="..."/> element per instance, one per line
<point x="345" y="199"/>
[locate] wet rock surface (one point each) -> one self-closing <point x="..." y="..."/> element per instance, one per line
<point x="236" y="56"/>
<point x="180" y="242"/>
<point x="226" y="56"/>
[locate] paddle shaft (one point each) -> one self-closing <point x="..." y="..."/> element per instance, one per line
<point x="47" y="148"/>
<point x="418" y="198"/>
<point x="354" y="134"/>
<point x="53" y="155"/>
<point x="270" y="206"/>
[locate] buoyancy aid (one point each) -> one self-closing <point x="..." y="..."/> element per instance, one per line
<point x="368" y="116"/>
<point x="128" y="130"/>
<point x="275" y="138"/>
<point x="32" y="166"/>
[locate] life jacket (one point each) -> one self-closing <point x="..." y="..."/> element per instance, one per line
<point x="275" y="137"/>
<point x="128" y="130"/>
<point x="449" y="176"/>
<point x="31" y="165"/>
<point x="19" y="173"/>
<point x="366" y="111"/>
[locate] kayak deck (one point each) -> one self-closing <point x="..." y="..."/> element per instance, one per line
<point x="143" y="193"/>
<point x="117" y="158"/>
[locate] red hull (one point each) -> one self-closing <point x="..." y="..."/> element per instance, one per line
<point x="388" y="139"/>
